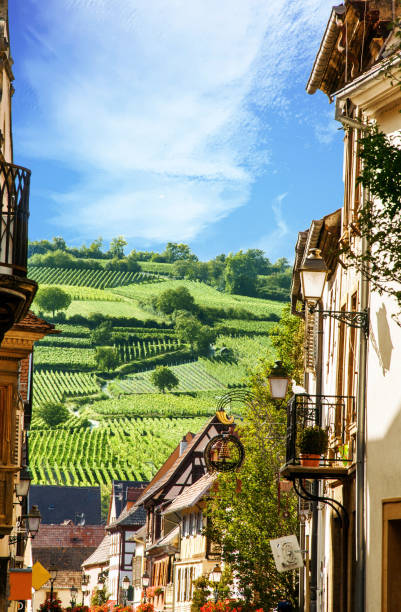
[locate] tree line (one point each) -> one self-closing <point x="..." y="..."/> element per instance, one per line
<point x="245" y="272"/>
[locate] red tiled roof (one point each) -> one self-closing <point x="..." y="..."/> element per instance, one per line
<point x="68" y="536"/>
<point x="35" y="323"/>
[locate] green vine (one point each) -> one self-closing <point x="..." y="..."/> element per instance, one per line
<point x="379" y="219"/>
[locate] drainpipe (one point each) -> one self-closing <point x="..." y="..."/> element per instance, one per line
<point x="315" y="485"/>
<point x="360" y="485"/>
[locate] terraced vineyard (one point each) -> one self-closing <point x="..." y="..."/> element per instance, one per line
<point x="56" y="385"/>
<point x="205" y="295"/>
<point x="98" y="279"/>
<point x="121" y="449"/>
<point x="192" y="376"/>
<point x="119" y="425"/>
<point x="147" y="347"/>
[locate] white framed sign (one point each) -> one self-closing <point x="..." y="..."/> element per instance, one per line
<point x="287" y="553"/>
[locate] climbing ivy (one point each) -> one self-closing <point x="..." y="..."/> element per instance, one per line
<point x="379" y="219"/>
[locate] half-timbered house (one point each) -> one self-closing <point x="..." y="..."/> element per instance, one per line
<point x="163" y="531"/>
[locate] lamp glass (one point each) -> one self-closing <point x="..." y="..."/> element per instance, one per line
<point x="22" y="487"/>
<point x="126" y="583"/>
<point x="215" y="574"/>
<point x="73" y="590"/>
<point x="53" y="572"/>
<point x="32" y="521"/>
<point x="145" y="580"/>
<point x="278" y="387"/>
<point x="313" y="276"/>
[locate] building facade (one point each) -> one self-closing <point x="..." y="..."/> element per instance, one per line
<point x="352" y="344"/>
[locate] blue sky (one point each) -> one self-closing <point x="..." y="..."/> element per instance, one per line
<point x="181" y="120"/>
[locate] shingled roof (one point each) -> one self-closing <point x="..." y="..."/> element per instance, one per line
<point x="101" y="554"/>
<point x="192" y="495"/>
<point x="134" y="517"/>
<point x="58" y="504"/>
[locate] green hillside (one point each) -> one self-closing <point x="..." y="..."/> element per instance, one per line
<point x="119" y="425"/>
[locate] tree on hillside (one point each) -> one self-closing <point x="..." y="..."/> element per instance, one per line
<point x="174" y="252"/>
<point x="52" y="299"/>
<point x="102" y="334"/>
<point x="95" y="248"/>
<point x="205" y="339"/>
<point x="240" y="274"/>
<point x="59" y="243"/>
<point x="106" y="358"/>
<point x="117" y="247"/>
<point x="163" y="378"/>
<point x="53" y="413"/>
<point x="194" y="333"/>
<point x="249" y="497"/>
<point x="175" y="299"/>
<point x="188" y="328"/>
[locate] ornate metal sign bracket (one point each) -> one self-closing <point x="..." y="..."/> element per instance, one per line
<point x="360" y="320"/>
<point x="333" y="503"/>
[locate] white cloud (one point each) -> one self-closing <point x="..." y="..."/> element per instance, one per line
<point x="271" y="243"/>
<point x="149" y="99"/>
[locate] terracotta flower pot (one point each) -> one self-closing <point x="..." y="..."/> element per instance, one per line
<point x="310" y="460"/>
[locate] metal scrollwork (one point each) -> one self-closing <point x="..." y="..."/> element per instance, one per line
<point x="359" y="320"/>
<point x="224" y="453"/>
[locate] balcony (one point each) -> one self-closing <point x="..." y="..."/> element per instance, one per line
<point x="334" y="413"/>
<point x="16" y="290"/>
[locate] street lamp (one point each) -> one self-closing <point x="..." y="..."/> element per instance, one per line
<point x="215" y="577"/>
<point x="73" y="593"/>
<point x="313" y="275"/>
<point x="125" y="585"/>
<point x="278" y="381"/>
<point x="53" y="576"/>
<point x="32" y="521"/>
<point x="22" y="486"/>
<point x="145" y="584"/>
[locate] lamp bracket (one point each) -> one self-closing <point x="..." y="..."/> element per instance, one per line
<point x="333" y="503"/>
<point x="357" y="319"/>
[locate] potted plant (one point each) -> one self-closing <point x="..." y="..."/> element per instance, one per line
<point x="312" y="442"/>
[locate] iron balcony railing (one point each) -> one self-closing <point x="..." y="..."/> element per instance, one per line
<point x="14" y="205"/>
<point x="332" y="412"/>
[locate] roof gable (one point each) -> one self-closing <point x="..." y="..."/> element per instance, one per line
<point x="184" y="470"/>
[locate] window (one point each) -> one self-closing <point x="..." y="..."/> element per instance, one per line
<point x="200" y="522"/>
<point x="391" y="559"/>
<point x="185" y="525"/>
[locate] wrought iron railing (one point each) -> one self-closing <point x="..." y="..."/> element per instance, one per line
<point x="331" y="412"/>
<point x="14" y="213"/>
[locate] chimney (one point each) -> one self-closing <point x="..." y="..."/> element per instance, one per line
<point x="183" y="445"/>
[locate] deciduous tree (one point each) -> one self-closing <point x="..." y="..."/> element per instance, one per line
<point x="106" y="358"/>
<point x="52" y="299"/>
<point x="163" y="378"/>
<point x="53" y="413"/>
